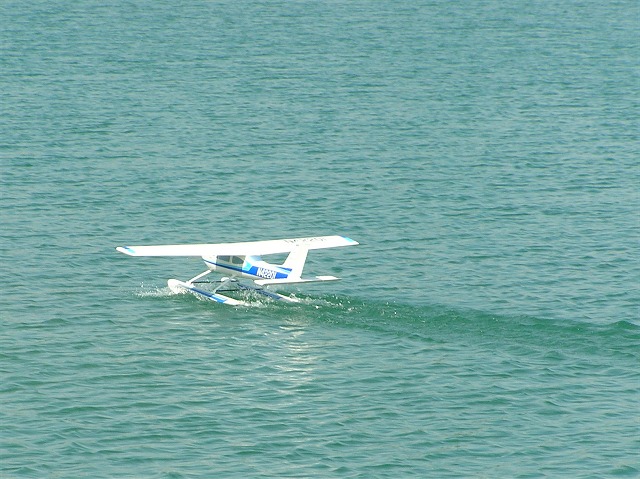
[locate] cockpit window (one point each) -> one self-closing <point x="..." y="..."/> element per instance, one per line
<point x="237" y="260"/>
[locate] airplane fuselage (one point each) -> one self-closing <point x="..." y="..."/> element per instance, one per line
<point x="251" y="267"/>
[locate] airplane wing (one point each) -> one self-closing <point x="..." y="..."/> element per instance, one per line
<point x="249" y="248"/>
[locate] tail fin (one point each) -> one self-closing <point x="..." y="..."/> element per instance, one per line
<point x="295" y="261"/>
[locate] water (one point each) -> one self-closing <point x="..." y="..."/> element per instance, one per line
<point x="484" y="155"/>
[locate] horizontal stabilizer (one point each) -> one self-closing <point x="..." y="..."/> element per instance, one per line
<point x="266" y="282"/>
<point x="249" y="248"/>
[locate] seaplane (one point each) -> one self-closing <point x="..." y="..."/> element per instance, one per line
<point x="236" y="261"/>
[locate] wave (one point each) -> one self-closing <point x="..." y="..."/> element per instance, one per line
<point x="438" y="323"/>
<point x="431" y="323"/>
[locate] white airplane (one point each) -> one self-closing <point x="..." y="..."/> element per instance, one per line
<point x="243" y="260"/>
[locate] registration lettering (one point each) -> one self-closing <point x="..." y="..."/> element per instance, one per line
<point x="266" y="273"/>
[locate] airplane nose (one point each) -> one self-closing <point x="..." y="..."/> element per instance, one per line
<point x="211" y="262"/>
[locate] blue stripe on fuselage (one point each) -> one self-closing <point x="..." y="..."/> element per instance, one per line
<point x="267" y="271"/>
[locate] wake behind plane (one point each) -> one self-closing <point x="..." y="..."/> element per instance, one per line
<point x="236" y="261"/>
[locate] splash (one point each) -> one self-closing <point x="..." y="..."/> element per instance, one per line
<point x="154" y="292"/>
<point x="251" y="300"/>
